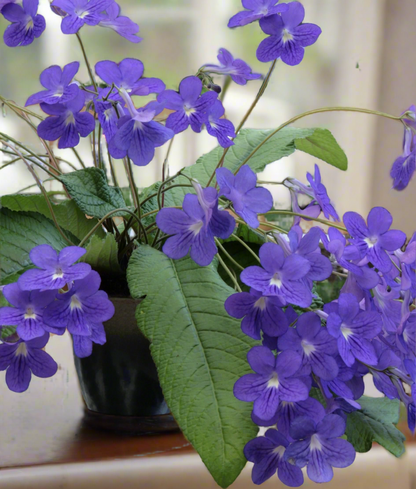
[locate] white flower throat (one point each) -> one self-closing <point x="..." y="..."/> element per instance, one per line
<point x="58" y="273"/>
<point x="273" y="381"/>
<point x="287" y="36"/>
<point x="30" y="313"/>
<point x="276" y="280"/>
<point x="75" y="303"/>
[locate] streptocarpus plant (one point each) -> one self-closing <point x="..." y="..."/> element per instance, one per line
<point x="206" y="248"/>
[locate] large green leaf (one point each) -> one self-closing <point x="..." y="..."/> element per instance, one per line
<point x="375" y="422"/>
<point x="280" y="145"/>
<point x="19" y="233"/>
<point x="68" y="214"/>
<point x="102" y="255"/>
<point x="199" y="352"/>
<point x="324" y="146"/>
<point x="91" y="192"/>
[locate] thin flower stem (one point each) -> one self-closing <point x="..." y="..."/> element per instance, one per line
<point x="164" y="167"/>
<point x="112" y="169"/>
<point x="88" y="91"/>
<point x="318" y="111"/>
<point x="101" y="221"/>
<point x="232" y="277"/>
<point x="87" y="62"/>
<point x="6" y="137"/>
<point x="78" y="157"/>
<point x="100" y="162"/>
<point x="166" y="236"/>
<point x="45" y="194"/>
<point x="338" y="274"/>
<point x="304" y="216"/>
<point x="133" y="189"/>
<point x="258" y="96"/>
<point x="246" y="116"/>
<point x="227" y="84"/>
<point x="94" y="146"/>
<point x="12" y="105"/>
<point x="228" y="255"/>
<point x="246" y="246"/>
<point x="32" y="161"/>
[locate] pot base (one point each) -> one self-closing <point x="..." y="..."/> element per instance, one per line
<point x="133" y="425"/>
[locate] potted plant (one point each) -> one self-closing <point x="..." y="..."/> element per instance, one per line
<point x="195" y="302"/>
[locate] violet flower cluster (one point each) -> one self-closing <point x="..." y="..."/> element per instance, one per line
<point x="370" y="328"/>
<point x="58" y="295"/>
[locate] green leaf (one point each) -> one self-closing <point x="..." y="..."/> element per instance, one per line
<point x="91" y="192"/>
<point x="280" y="145"/>
<point x="375" y="423"/>
<point x="68" y="214"/>
<point x="7" y="331"/>
<point x="19" y="233"/>
<point x="102" y="255"/>
<point x="324" y="146"/>
<point x="199" y="351"/>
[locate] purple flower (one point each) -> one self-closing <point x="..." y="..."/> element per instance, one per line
<point x="194" y="227"/>
<point x="267" y="453"/>
<point x="260" y="313"/>
<point x="56" y="271"/>
<point x="347" y="384"/>
<point x="319" y="446"/>
<point x="127" y="75"/>
<point x="83" y="344"/>
<point x="81" y="310"/>
<point x="280" y="276"/>
<point x="354" y="329"/>
<point x="336" y="243"/>
<point x="405" y="165"/>
<point x="57" y="82"/>
<point x="24" y="358"/>
<point x="288" y="36"/>
<point x="386" y="359"/>
<point x="386" y="303"/>
<point x="5" y="2"/>
<point x="66" y="122"/>
<point x="217" y="126"/>
<point x="189" y="105"/>
<point x="27" y="311"/>
<point x="238" y="69"/>
<point x="307" y="246"/>
<point x="320" y="195"/>
<point x="314" y="344"/>
<point x="25" y="25"/>
<point x="287" y="412"/>
<point x="80" y="12"/>
<point x="273" y="382"/>
<point x="248" y="200"/>
<point x="374" y="240"/>
<point x="138" y="135"/>
<point x="121" y="24"/>
<point x="256" y="10"/>
<point x="108" y="117"/>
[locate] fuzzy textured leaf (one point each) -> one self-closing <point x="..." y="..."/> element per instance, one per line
<point x="19" y="233"/>
<point x="102" y="255"/>
<point x="68" y="214"/>
<point x="199" y="352"/>
<point x="324" y="146"/>
<point x="375" y="422"/>
<point x="91" y="192"/>
<point x="280" y="145"/>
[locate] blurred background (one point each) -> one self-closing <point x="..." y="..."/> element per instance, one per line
<point x="365" y="57"/>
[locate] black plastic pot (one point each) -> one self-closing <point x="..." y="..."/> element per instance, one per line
<point x="119" y="381"/>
